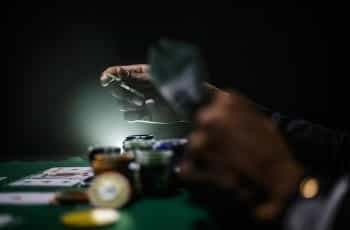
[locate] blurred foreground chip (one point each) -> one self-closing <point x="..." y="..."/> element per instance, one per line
<point x="110" y="190"/>
<point x="112" y="162"/>
<point x="71" y="197"/>
<point x="90" y="218"/>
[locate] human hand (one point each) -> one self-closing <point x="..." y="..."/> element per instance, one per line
<point x="233" y="143"/>
<point x="151" y="106"/>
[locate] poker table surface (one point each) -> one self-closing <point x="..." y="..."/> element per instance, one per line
<point x="174" y="212"/>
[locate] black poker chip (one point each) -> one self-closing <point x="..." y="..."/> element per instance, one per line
<point x="93" y="151"/>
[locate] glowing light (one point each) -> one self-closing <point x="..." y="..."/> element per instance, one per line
<point x="309" y="188"/>
<point x="96" y="119"/>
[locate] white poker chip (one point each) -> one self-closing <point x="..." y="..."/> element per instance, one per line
<point x="109" y="190"/>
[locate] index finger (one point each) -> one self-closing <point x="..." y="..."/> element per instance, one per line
<point x="115" y="70"/>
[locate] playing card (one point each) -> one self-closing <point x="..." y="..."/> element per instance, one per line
<point x="80" y="173"/>
<point x="30" y="198"/>
<point x="58" y="176"/>
<point x="178" y="72"/>
<point x="46" y="182"/>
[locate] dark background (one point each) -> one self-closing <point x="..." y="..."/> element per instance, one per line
<point x="284" y="57"/>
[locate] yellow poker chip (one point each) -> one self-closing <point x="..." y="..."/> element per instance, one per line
<point x="90" y="218"/>
<point x="109" y="190"/>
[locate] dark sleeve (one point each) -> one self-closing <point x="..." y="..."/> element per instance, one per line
<point x="327" y="212"/>
<point x="321" y="150"/>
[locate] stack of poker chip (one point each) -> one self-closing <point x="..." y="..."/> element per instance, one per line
<point x="110" y="189"/>
<point x="140" y="141"/>
<point x="145" y="163"/>
<point x="70" y="197"/>
<point x="154" y="171"/>
<point x="107" y="161"/>
<point x="93" y="151"/>
<point x="131" y="146"/>
<point x="178" y="146"/>
<point x="112" y="162"/>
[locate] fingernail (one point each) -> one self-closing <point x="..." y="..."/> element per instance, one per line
<point x="105" y="80"/>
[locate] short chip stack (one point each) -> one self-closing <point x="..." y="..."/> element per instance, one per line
<point x="144" y="167"/>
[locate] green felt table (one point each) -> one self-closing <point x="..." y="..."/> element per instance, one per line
<point x="174" y="212"/>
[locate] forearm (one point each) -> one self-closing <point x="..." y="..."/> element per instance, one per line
<point x="328" y="211"/>
<point x="319" y="149"/>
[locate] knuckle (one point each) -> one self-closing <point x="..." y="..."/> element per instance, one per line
<point x="112" y="69"/>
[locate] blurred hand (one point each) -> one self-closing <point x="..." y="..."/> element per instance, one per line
<point x="234" y="144"/>
<point x="137" y="76"/>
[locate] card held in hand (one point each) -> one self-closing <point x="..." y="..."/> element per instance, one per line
<point x="178" y="71"/>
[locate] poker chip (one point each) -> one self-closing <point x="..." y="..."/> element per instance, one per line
<point x="153" y="157"/>
<point x="131" y="146"/>
<point x="170" y="143"/>
<point x="138" y="141"/>
<point x="140" y="137"/>
<point x="112" y="163"/>
<point x="94" y="151"/>
<point x="71" y="197"/>
<point x="178" y="146"/>
<point x="109" y="190"/>
<point x="96" y="217"/>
